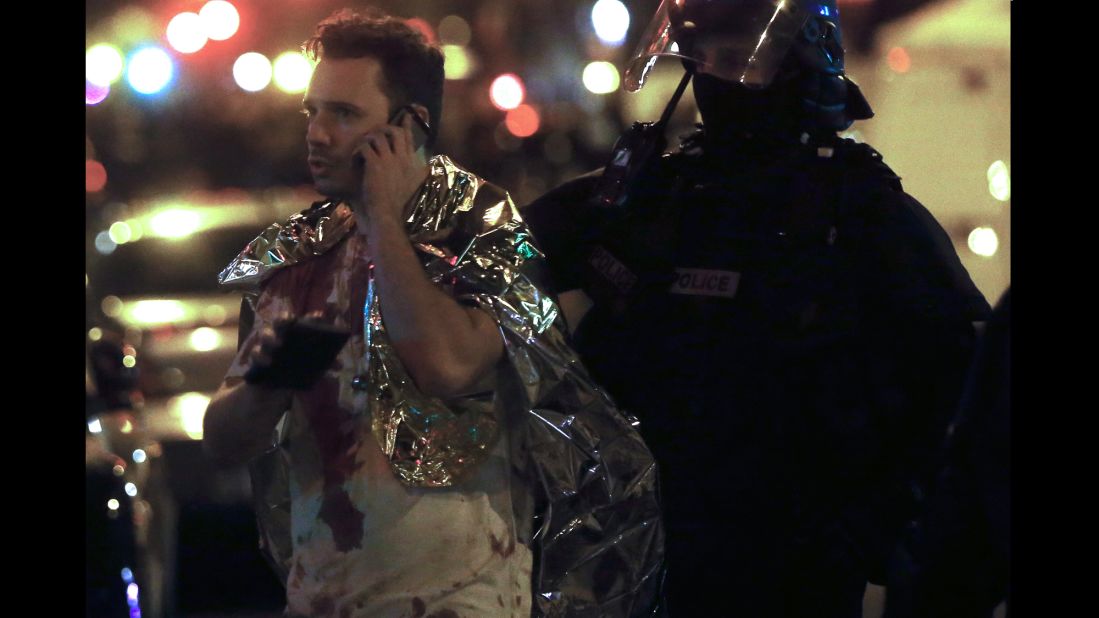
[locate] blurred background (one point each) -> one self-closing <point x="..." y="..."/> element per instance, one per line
<point x="194" y="141"/>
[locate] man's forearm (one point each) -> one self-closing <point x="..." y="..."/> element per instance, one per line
<point x="240" y="420"/>
<point x="444" y="345"/>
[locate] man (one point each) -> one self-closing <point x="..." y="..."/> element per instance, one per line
<point x="455" y="460"/>
<point x="789" y="326"/>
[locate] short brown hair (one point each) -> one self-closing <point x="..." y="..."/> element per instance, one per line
<point x="411" y="66"/>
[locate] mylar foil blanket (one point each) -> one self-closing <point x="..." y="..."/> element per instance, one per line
<point x="586" y="484"/>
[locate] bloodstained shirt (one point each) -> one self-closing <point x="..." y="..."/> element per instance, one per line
<point x="364" y="544"/>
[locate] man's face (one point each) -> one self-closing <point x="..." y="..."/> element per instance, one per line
<point x="343" y="102"/>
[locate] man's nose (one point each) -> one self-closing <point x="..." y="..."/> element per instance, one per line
<point x="316" y="134"/>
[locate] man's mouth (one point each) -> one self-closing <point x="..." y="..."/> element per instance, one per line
<point x="318" y="164"/>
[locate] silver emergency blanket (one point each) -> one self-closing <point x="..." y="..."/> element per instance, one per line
<point x="585" y="490"/>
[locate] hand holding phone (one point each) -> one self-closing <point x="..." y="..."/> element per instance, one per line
<point x="420" y="128"/>
<point x="308" y="348"/>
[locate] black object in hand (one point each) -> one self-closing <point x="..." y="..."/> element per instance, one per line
<point x="308" y="348"/>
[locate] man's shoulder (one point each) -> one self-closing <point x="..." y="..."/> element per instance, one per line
<point x="302" y="236"/>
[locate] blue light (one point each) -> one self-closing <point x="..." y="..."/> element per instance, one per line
<point x="824" y="11"/>
<point x="127" y="575"/>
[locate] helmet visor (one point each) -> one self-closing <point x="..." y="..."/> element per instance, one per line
<point x="743" y="41"/>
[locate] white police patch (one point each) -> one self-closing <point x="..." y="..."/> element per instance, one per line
<point x="702" y="282"/>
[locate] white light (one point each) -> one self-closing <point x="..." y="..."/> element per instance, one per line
<point x="156" y="311"/>
<point x="112" y="504"/>
<point x="139" y="456"/>
<point x="292" y="72"/>
<point x="191" y="408"/>
<point x="150" y="70"/>
<point x="185" y="33"/>
<point x="102" y="64"/>
<point x="674" y="48"/>
<point x="205" y="339"/>
<point x="601" y="77"/>
<point x="611" y="20"/>
<point x="983" y="241"/>
<point x="252" y="71"/>
<point x="175" y="223"/>
<point x="103" y="243"/>
<point x="131" y="489"/>
<point x="95" y="426"/>
<point x="999" y="181"/>
<point x="131" y="592"/>
<point x="507" y="91"/>
<point x="220" y="19"/>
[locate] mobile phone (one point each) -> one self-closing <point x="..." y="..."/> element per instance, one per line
<point x="420" y="128"/>
<point x="308" y="348"/>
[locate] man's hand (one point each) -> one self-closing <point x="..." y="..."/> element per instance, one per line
<point x="393" y="170"/>
<point x="241" y="416"/>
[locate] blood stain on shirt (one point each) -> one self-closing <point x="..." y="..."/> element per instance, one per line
<point x="498" y="546"/>
<point x="336" y="441"/>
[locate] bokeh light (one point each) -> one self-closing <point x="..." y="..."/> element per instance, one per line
<point x="457" y="62"/>
<point x="95" y="176"/>
<point x="205" y="339"/>
<point x="453" y="30"/>
<point x="220" y="19"/>
<point x="175" y="223"/>
<point x="103" y="243"/>
<point x="898" y="60"/>
<point x="999" y="181"/>
<point x="95" y="94"/>
<point x="984" y="242"/>
<point x="523" y="121"/>
<point x="611" y="20"/>
<point x="185" y="33"/>
<point x="600" y="77"/>
<point x="507" y="91"/>
<point x="292" y="72"/>
<point x="149" y="70"/>
<point x="252" y="71"/>
<point x="102" y="64"/>
<point x="120" y="232"/>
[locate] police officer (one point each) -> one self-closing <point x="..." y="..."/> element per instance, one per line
<point x="791" y="328"/>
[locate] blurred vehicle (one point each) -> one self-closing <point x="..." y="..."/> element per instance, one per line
<point x="160" y="336"/>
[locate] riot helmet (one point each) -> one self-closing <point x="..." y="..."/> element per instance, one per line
<point x="754" y="44"/>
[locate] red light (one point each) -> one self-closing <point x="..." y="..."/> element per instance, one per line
<point x="898" y="60"/>
<point x="507" y="91"/>
<point x="523" y="121"/>
<point x="423" y="28"/>
<point x="95" y="176"/>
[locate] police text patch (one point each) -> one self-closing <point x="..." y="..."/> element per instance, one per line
<point x="701" y="282"/>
